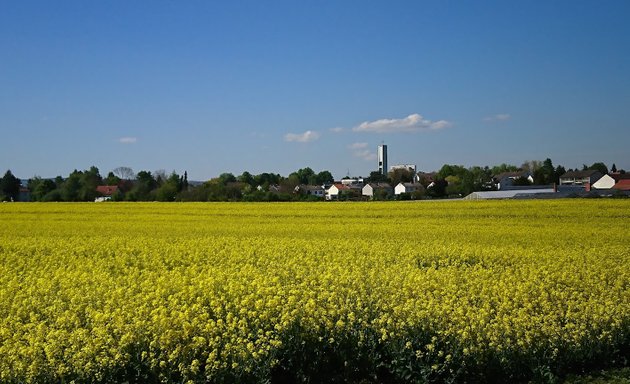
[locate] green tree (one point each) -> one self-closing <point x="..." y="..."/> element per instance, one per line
<point x="497" y="169"/>
<point x="10" y="187"/>
<point x="40" y="187"/>
<point x="324" y="177"/>
<point x="225" y="178"/>
<point x="454" y="186"/>
<point x="601" y="167"/>
<point x="143" y="187"/>
<point x="559" y="171"/>
<point x="400" y="175"/>
<point x="460" y="180"/>
<point x="90" y="179"/>
<point x="246" y="178"/>
<point x="169" y="188"/>
<point x="71" y="187"/>
<point x="302" y="175"/>
<point x="288" y="184"/>
<point x="480" y="179"/>
<point x="112" y="179"/>
<point x="377" y="177"/>
<point x="544" y="174"/>
<point x="185" y="181"/>
<point x="437" y="189"/>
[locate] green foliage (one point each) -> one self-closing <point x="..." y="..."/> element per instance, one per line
<point x="497" y="169"/>
<point x="400" y="175"/>
<point x="10" y="187"/>
<point x="601" y="167"/>
<point x="377" y="177"/>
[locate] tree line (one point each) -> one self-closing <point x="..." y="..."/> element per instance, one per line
<point x="160" y="186"/>
<point x="450" y="180"/>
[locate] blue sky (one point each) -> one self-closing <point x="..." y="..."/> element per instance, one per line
<point x="212" y="87"/>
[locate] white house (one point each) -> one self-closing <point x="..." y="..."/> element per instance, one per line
<point x="369" y="189"/>
<point x="407" y="188"/>
<point x="311" y="190"/>
<point x="332" y="193"/>
<point x="604" y="182"/>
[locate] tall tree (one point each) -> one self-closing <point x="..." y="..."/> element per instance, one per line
<point x="185" y="181"/>
<point x="142" y="188"/>
<point x="112" y="179"/>
<point x="531" y="166"/>
<point x="169" y="188"/>
<point x="246" y="178"/>
<point x="400" y="175"/>
<point x="324" y="177"/>
<point x="71" y="187"/>
<point x="377" y="177"/>
<point x="303" y="175"/>
<point x="545" y="174"/>
<point x="559" y="171"/>
<point x="10" y="187"/>
<point x="497" y="169"/>
<point x="124" y="173"/>
<point x="90" y="179"/>
<point x="40" y="187"/>
<point x="601" y="167"/>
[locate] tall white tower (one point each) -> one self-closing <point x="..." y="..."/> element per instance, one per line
<point x="382" y="159"/>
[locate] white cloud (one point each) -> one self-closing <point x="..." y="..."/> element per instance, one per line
<point x="411" y="123"/>
<point x="499" y="117"/>
<point x="128" y="140"/>
<point x="360" y="150"/>
<point x="305" y="137"/>
<point x="365" y="154"/>
<point x="358" y="145"/>
<point x="337" y="130"/>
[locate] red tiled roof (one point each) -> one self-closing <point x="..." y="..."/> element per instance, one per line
<point x="623" y="185"/>
<point x="107" y="190"/>
<point x="620" y="176"/>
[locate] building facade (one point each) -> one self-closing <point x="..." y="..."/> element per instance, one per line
<point x="382" y="159"/>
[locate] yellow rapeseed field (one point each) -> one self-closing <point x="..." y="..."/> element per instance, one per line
<point x="313" y="292"/>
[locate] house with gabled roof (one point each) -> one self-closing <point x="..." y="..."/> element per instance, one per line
<point x="604" y="182"/>
<point x="333" y="192"/>
<point x="311" y="190"/>
<point x="375" y="188"/>
<point x="107" y="190"/>
<point x="622" y="185"/>
<point x="588" y="177"/>
<point x="407" y="188"/>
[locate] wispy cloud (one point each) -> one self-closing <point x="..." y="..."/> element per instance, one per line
<point x="411" y="123"/>
<point x="360" y="150"/>
<point x="499" y="117"/>
<point x="128" y="140"/>
<point x="358" y="145"/>
<point x="337" y="129"/>
<point x="305" y="137"/>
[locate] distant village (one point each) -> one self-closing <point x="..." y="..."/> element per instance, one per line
<point x="533" y="179"/>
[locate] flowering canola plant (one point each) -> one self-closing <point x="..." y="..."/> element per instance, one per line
<point x="237" y="292"/>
